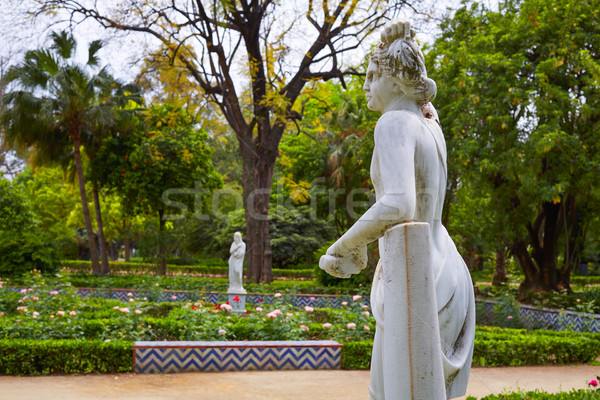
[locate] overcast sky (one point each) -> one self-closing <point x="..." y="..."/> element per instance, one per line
<point x="122" y="51"/>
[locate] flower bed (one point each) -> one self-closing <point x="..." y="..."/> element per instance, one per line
<point x="38" y="321"/>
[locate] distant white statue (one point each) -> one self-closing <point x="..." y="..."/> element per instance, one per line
<point x="236" y="264"/>
<point x="422" y="295"/>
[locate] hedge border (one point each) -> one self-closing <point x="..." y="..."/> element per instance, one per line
<point x="172" y="269"/>
<point x="493" y="347"/>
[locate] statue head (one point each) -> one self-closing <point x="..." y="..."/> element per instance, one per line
<point x="237" y="237"/>
<point x="398" y="57"/>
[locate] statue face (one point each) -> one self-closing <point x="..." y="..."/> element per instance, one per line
<point x="379" y="88"/>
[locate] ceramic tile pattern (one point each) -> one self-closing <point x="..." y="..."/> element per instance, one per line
<point x="168" y="357"/>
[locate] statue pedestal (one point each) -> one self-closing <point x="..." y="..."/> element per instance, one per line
<point x="237" y="300"/>
<point x="412" y="359"/>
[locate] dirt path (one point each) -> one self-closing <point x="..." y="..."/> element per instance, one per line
<point x="285" y="385"/>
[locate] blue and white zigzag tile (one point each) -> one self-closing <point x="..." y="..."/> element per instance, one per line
<point x="235" y="356"/>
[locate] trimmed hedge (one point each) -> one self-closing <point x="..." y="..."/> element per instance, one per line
<point x="536" y="395"/>
<point x="210" y="267"/>
<point x="493" y="347"/>
<point x="44" y="357"/>
<point x="497" y="347"/>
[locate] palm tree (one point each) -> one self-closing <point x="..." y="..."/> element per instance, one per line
<point x="58" y="107"/>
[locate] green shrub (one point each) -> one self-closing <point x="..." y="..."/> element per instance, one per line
<point x="25" y="251"/>
<point x="43" y="357"/>
<point x="495" y="347"/>
<point x="536" y="395"/>
<point x="208" y="267"/>
<point x="357" y="355"/>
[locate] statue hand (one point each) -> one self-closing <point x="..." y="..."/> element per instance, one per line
<point x="342" y="262"/>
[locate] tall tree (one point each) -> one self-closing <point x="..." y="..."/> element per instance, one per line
<point x="225" y="32"/>
<point x="519" y="100"/>
<point x="164" y="169"/>
<point x="58" y="105"/>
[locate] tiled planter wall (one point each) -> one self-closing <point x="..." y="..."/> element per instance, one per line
<point x="168" y="357"/>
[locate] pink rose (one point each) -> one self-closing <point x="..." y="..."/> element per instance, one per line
<point x="304" y="328"/>
<point x="115" y="307"/>
<point x="351" y="325"/>
<point x="289" y="314"/>
<point x="311" y="298"/>
<point x="222" y="332"/>
<point x="61" y="313"/>
<point x="129" y="294"/>
<point x="509" y="317"/>
<point x="326" y="325"/>
<point x="356" y="297"/>
<point x="173" y="297"/>
<point x="35" y="314"/>
<point x="23" y="291"/>
<point x="277" y="295"/>
<point x="367" y="313"/>
<point x="53" y="292"/>
<point x="73" y="313"/>
<point x="259" y="309"/>
<point x="309" y="309"/>
<point x="365" y="306"/>
<point x="593" y="383"/>
<point x="226" y="307"/>
<point x="138" y="312"/>
<point x="366" y="328"/>
<point x="124" y="310"/>
<point x="344" y="303"/>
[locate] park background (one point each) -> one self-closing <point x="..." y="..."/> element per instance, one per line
<point x="250" y="117"/>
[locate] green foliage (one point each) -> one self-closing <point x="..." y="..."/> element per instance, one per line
<point x="295" y="234"/>
<point x="22" y="246"/>
<point x="515" y="98"/>
<point x="22" y="252"/>
<point x="497" y="347"/>
<point x="203" y="267"/>
<point x="580" y="394"/>
<point x="357" y="355"/>
<point x="44" y="357"/>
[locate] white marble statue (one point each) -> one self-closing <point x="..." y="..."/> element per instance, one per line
<point x="422" y="294"/>
<point x="236" y="264"/>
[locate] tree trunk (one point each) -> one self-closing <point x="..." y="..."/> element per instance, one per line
<point x="127" y="249"/>
<point x="258" y="166"/>
<point x="256" y="201"/>
<point x="499" y="277"/>
<point x="161" y="261"/>
<point x="547" y="256"/>
<point x="84" y="204"/>
<point x="573" y="241"/>
<point x="532" y="272"/>
<point x="102" y="243"/>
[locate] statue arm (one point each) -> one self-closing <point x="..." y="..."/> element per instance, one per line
<point x="395" y="148"/>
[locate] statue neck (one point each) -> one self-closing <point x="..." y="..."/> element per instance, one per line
<point x="403" y="103"/>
